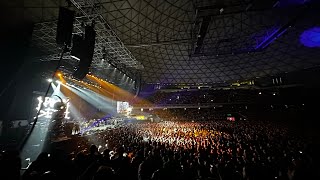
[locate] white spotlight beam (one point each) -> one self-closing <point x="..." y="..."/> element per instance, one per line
<point x="90" y="97"/>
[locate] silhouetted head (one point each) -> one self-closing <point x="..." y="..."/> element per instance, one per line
<point x="93" y="149"/>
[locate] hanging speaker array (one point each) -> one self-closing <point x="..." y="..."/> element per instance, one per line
<point x="82" y="44"/>
<point x="83" y="50"/>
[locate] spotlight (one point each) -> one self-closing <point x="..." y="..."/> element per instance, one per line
<point x="59" y="74"/>
<point x="49" y="80"/>
<point x="260" y="93"/>
<point x="274" y="94"/>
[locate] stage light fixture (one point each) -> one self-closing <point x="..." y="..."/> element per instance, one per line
<point x="49" y="80"/>
<point x="59" y="74"/>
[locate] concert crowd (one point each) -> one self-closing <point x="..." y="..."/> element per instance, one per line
<point x="216" y="150"/>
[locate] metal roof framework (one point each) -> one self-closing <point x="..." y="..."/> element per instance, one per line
<point x="107" y="42"/>
<point x="157" y="38"/>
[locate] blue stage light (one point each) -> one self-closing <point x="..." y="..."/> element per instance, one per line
<point x="311" y="37"/>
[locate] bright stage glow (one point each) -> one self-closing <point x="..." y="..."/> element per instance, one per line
<point x="311" y="37"/>
<point x="140" y="117"/>
<point x="122" y="107"/>
<point x="49" y="80"/>
<point x="129" y="110"/>
<point x="48" y="107"/>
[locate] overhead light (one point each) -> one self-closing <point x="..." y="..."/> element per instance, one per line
<point x="76" y="58"/>
<point x="221" y="10"/>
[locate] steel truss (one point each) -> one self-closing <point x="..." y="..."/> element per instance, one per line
<point x="160" y="34"/>
<point x="108" y="46"/>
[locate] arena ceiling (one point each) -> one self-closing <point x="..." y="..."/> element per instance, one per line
<point x="184" y="41"/>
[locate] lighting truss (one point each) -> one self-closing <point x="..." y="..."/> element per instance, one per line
<point x="106" y="39"/>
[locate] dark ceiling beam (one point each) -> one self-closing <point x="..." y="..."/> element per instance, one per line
<point x="226" y="12"/>
<point x="202" y="33"/>
<point x="176" y="41"/>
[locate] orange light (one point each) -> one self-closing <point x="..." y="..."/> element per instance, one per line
<point x="59" y="74"/>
